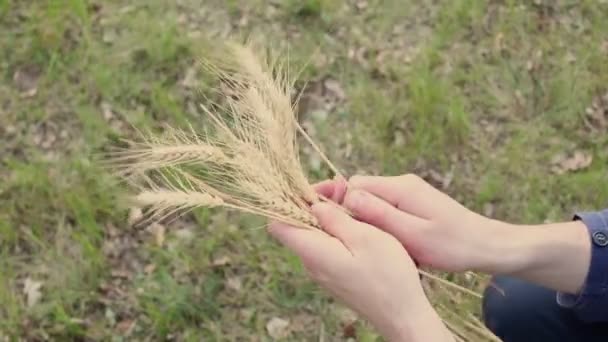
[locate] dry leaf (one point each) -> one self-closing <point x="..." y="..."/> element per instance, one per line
<point x="149" y="268"/>
<point x="26" y="80"/>
<point x="234" y="283"/>
<point x="303" y="322"/>
<point x="578" y="161"/>
<point x="499" y="42"/>
<point x="31" y="289"/>
<point x="189" y="80"/>
<point x="106" y="110"/>
<point x="246" y="314"/>
<point x="348" y="320"/>
<point x="221" y="261"/>
<point x="158" y="232"/>
<point x="125" y="327"/>
<point x="120" y="273"/>
<point x="184" y="234"/>
<point x="277" y="328"/>
<point x="596" y="115"/>
<point x="109" y="35"/>
<point x="361" y="4"/>
<point x="135" y="215"/>
<point x="334" y="89"/>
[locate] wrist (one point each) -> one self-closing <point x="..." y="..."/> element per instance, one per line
<point x="501" y="248"/>
<point x="553" y="255"/>
<point x="420" y="323"/>
<point x="558" y="256"/>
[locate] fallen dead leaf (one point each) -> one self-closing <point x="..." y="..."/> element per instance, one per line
<point x="125" y="327"/>
<point x="441" y="179"/>
<point x="246" y="314"/>
<point x="135" y="215"/>
<point x="158" y="232"/>
<point x="184" y="234"/>
<point x="31" y="290"/>
<point x="234" y="283"/>
<point x="578" y="161"/>
<point x="189" y="80"/>
<point x="361" y="4"/>
<point x="570" y="57"/>
<point x="277" y="328"/>
<point x="120" y="273"/>
<point x="334" y="89"/>
<point x="499" y="42"/>
<point x="302" y="322"/>
<point x="110" y="316"/>
<point x="26" y="80"/>
<point x="106" y="110"/>
<point x="604" y="46"/>
<point x="10" y="130"/>
<point x="348" y="320"/>
<point x="109" y="35"/>
<point x="596" y="115"/>
<point x="221" y="261"/>
<point x="149" y="268"/>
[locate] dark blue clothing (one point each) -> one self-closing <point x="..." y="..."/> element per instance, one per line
<point x="517" y="311"/>
<point x="591" y="304"/>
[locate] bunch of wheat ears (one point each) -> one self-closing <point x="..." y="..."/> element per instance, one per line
<point x="246" y="158"/>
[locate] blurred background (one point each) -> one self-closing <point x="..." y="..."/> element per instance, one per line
<point x="501" y="104"/>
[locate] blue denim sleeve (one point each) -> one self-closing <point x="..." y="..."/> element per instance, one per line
<point x="591" y="303"/>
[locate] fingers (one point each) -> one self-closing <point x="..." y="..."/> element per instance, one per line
<point x="333" y="189"/>
<point x="314" y="247"/>
<point x="379" y="213"/>
<point x="408" y="192"/>
<point x="325" y="188"/>
<point x="339" y="224"/>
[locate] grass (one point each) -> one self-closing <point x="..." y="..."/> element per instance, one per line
<point x="488" y="92"/>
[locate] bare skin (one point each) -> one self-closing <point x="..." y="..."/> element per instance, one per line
<point x="397" y="219"/>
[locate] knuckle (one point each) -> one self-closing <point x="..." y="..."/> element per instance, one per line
<point x="378" y="214"/>
<point x="355" y="180"/>
<point x="411" y="180"/>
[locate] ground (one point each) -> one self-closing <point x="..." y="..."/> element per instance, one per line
<point x="501" y="104"/>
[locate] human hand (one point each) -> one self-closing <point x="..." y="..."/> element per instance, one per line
<point x="436" y="230"/>
<point x="439" y="232"/>
<point x="368" y="270"/>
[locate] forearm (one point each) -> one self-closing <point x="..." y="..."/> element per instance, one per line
<point x="556" y="256"/>
<point x="424" y="325"/>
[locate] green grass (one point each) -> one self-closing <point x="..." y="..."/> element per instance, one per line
<point x="488" y="91"/>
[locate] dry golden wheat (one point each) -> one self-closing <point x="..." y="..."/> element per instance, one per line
<point x="246" y="159"/>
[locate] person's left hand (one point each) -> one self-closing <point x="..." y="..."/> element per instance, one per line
<point x="369" y="270"/>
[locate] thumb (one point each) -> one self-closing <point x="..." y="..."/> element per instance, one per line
<point x="338" y="223"/>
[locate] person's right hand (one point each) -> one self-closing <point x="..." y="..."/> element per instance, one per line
<point x="440" y="233"/>
<point x="436" y="230"/>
